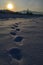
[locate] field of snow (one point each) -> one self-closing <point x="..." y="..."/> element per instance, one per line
<point x="21" y="41"/>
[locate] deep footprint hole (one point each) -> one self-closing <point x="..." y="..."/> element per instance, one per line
<point x="18" y="39"/>
<point x="16" y="53"/>
<point x="13" y="27"/>
<point x="18" y="29"/>
<point x="13" y="33"/>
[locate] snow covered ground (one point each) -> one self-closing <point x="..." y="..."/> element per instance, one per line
<point x="21" y="41"/>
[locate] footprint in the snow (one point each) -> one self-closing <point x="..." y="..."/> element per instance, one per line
<point x="17" y="23"/>
<point x="18" y="29"/>
<point x="18" y="39"/>
<point x="13" y="33"/>
<point x="15" y="53"/>
<point x="13" y="27"/>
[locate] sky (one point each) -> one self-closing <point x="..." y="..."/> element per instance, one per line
<point x="34" y="5"/>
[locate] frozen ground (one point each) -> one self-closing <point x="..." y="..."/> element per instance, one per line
<point x="21" y="41"/>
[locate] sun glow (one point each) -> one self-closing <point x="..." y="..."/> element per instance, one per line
<point x="10" y="6"/>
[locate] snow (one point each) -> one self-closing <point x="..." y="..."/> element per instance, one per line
<point x="31" y="45"/>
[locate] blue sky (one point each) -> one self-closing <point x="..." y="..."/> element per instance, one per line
<point x="34" y="5"/>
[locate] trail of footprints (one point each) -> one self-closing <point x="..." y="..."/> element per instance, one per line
<point x="16" y="53"/>
<point x="15" y="31"/>
<point x="13" y="56"/>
